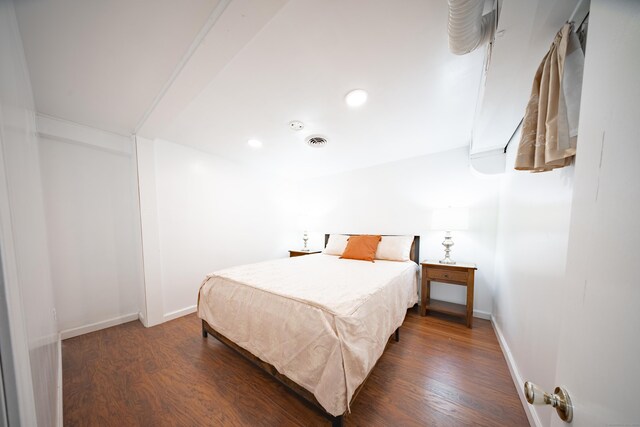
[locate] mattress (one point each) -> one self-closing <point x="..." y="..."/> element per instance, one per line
<point x="320" y="320"/>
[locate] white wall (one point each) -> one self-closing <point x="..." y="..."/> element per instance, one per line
<point x="211" y="213"/>
<point x="531" y="255"/>
<point x="399" y="197"/>
<point x="90" y="192"/>
<point x="28" y="295"/>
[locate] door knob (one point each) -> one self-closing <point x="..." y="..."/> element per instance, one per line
<point x="559" y="399"/>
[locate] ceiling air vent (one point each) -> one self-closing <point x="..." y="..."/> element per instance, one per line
<point x="317" y="141"/>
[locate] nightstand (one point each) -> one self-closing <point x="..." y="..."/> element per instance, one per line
<point x="302" y="253"/>
<point x="452" y="274"/>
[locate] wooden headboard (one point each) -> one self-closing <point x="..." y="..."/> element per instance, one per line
<point x="415" y="246"/>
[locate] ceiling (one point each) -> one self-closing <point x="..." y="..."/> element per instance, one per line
<point x="300" y="66"/>
<point x="102" y="62"/>
<point x="119" y="65"/>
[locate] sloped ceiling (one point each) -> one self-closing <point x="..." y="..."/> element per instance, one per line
<point x="106" y="63"/>
<point x="422" y="98"/>
<point x="102" y="62"/>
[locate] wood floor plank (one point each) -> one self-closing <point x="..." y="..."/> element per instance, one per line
<point x="439" y="374"/>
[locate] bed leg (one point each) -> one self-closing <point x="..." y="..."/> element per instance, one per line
<point x="204" y="331"/>
<point x="337" y="421"/>
<point x="397" y="335"/>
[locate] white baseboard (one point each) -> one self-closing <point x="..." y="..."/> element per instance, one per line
<point x="482" y="314"/>
<point x="59" y="418"/>
<point x="142" y="319"/>
<point x="74" y="332"/>
<point x="534" y="420"/>
<point x="180" y="313"/>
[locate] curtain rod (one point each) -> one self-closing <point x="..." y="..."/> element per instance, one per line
<point x="580" y="13"/>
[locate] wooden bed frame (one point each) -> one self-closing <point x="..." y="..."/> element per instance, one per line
<point x="290" y="384"/>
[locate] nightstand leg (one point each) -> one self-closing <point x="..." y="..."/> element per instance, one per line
<point x="427" y="297"/>
<point x="424" y="294"/>
<point x="470" y="281"/>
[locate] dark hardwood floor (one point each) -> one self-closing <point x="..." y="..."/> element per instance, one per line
<point x="439" y="374"/>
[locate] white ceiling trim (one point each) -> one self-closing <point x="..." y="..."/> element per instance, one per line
<point x="211" y="21"/>
<point x="241" y="21"/>
<point x="73" y="133"/>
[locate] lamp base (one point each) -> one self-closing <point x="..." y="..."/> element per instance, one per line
<point x="448" y="242"/>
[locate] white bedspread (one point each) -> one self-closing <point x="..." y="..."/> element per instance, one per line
<point x="320" y="320"/>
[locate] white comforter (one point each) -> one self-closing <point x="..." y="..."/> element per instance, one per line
<point x="320" y="320"/>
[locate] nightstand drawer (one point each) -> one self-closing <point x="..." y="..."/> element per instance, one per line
<point x="438" y="274"/>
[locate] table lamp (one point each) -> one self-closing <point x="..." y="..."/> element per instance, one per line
<point x="448" y="220"/>
<point x="303" y="222"/>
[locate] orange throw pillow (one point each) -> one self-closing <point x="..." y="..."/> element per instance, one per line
<point x="361" y="247"/>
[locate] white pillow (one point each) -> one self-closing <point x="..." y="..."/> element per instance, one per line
<point x="336" y="245"/>
<point x="395" y="248"/>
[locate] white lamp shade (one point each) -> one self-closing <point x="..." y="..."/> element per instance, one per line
<point x="303" y="221"/>
<point x="450" y="219"/>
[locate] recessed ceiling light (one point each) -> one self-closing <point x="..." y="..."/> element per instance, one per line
<point x="356" y="98"/>
<point x="254" y="143"/>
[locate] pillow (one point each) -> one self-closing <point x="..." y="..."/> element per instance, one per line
<point x="336" y="244"/>
<point x="361" y="247"/>
<point x="395" y="248"/>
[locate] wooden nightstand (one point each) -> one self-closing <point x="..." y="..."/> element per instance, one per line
<point x="302" y="253"/>
<point x="453" y="274"/>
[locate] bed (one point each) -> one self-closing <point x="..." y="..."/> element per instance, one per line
<point x="316" y="323"/>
